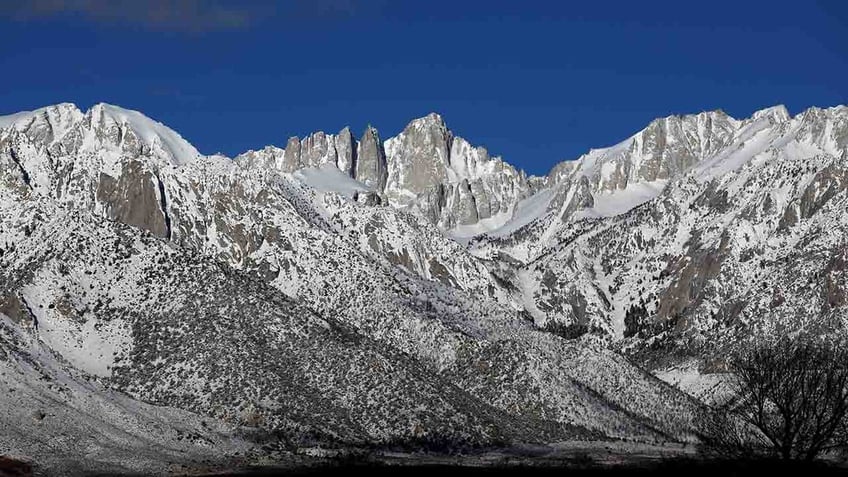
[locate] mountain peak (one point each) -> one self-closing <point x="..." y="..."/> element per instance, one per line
<point x="779" y="113"/>
<point x="51" y="123"/>
<point x="21" y="119"/>
<point x="714" y="114"/>
<point x="432" y="120"/>
<point x="371" y="131"/>
<point x="434" y="116"/>
<point x="151" y="132"/>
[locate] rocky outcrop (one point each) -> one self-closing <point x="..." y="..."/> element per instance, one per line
<point x="346" y="146"/>
<point x="449" y="180"/>
<point x="292" y="156"/>
<point x="665" y="149"/>
<point x="316" y="150"/>
<point x="135" y="198"/>
<point x="825" y="185"/>
<point x="370" y="164"/>
<point x="419" y="158"/>
<point x="108" y="159"/>
<point x="424" y="168"/>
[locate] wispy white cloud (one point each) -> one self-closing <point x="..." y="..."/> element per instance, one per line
<point x="189" y="15"/>
<point x="170" y="15"/>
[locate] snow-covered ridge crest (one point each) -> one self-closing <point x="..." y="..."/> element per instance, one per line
<point x="672" y="145"/>
<point x="152" y="133"/>
<point x="703" y="147"/>
<point x="52" y="113"/>
<point x="667" y="147"/>
<point x="465" y="191"/>
<point x="101" y="126"/>
<point x="456" y="185"/>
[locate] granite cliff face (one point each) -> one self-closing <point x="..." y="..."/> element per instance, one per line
<point x="107" y="159"/>
<point x="457" y="186"/>
<point x="370" y="163"/>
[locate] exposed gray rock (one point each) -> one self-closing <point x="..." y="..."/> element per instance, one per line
<point x="292" y="158"/>
<point x="665" y="149"/>
<point x="450" y="181"/>
<point x="135" y="198"/>
<point x="425" y="168"/>
<point x="367" y="198"/>
<point x="419" y="157"/>
<point x="467" y="203"/>
<point x="370" y="163"/>
<point x="319" y="149"/>
<point x="346" y="146"/>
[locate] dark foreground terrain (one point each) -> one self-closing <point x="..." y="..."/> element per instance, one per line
<point x="584" y="458"/>
<point x="677" y="467"/>
<point x="566" y="458"/>
<point x="14" y="467"/>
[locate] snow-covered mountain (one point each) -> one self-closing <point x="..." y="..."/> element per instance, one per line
<point x="695" y="233"/>
<point x="748" y="236"/>
<point x="287" y="302"/>
<point x="343" y="291"/>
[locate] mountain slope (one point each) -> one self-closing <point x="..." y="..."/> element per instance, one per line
<point x="291" y="301"/>
<point x="412" y="289"/>
<point x="749" y="238"/>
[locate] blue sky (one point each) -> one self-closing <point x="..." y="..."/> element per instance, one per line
<point x="534" y="81"/>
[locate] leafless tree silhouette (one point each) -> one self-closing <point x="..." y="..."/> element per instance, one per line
<point x="788" y="399"/>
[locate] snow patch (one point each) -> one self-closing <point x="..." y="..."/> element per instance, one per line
<point x="90" y="345"/>
<point x="328" y="178"/>
<point x="686" y="377"/>
<point x="610" y="204"/>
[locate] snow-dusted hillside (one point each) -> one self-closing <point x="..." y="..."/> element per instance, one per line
<point x="695" y="233"/>
<point x="745" y="236"/>
<point x="348" y="292"/>
<point x="300" y="302"/>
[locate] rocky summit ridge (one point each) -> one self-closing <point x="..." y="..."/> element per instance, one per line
<point x="414" y="290"/>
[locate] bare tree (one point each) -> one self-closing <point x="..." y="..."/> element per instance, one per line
<point x="789" y="399"/>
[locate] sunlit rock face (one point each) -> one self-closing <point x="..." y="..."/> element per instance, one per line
<point x="371" y="168"/>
